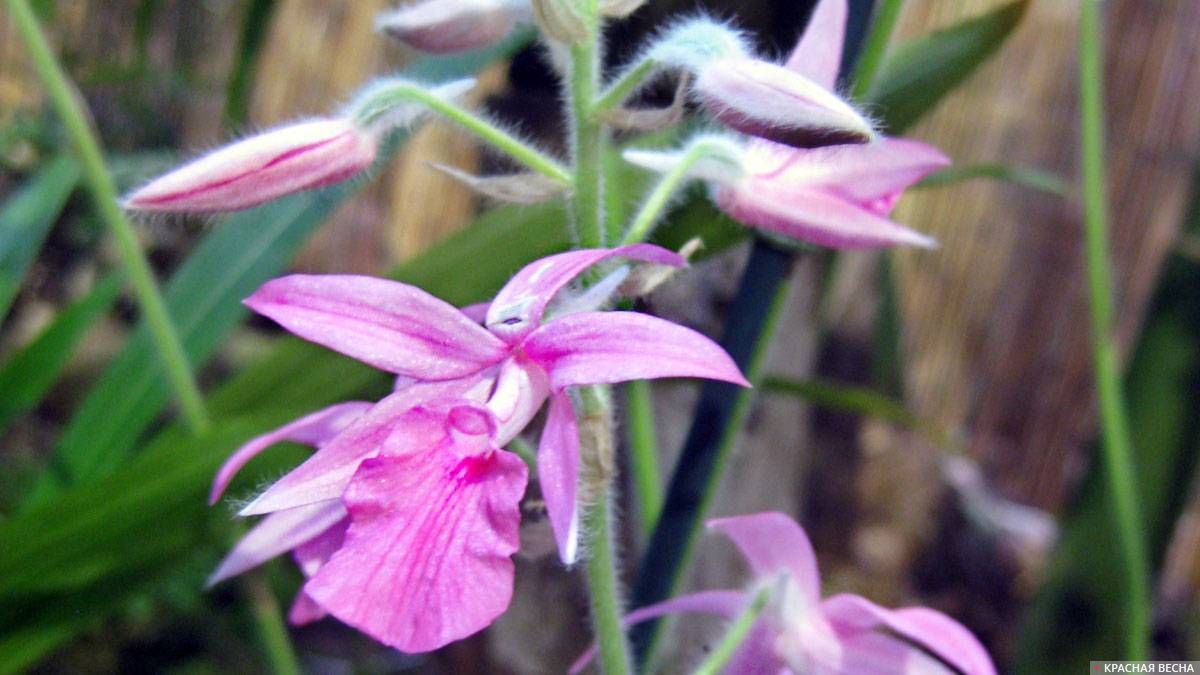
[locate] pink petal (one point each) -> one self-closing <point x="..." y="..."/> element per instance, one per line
<point x="818" y="54"/>
<point x="426" y="558"/>
<point x="521" y="388"/>
<point x="314" y="429"/>
<point x="771" y="542"/>
<point x="387" y="324"/>
<point x="814" y="215"/>
<point x="607" y="347"/>
<point x="310" y="557"/>
<point x="276" y="534"/>
<point x="449" y="26"/>
<point x="476" y="312"/>
<point x="726" y="604"/>
<point x="936" y="632"/>
<point x="261" y="168"/>
<point x="324" y="475"/>
<point x="518" y="308"/>
<point x="879" y="654"/>
<point x="763" y="99"/>
<point x="859" y="173"/>
<point x="305" y="610"/>
<point x="558" y="474"/>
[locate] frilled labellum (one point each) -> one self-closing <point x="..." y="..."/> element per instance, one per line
<point x="772" y="102"/>
<point x="261" y="168"/>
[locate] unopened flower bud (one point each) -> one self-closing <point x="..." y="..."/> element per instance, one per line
<point x="521" y="188"/>
<point x="449" y="26"/>
<point x="619" y="9"/>
<point x="261" y="168"/>
<point x="767" y="100"/>
<point x="560" y="20"/>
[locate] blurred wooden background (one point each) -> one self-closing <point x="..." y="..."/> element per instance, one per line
<point x="995" y="326"/>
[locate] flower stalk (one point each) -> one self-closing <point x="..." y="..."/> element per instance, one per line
<point x="67" y="103"/>
<point x="1117" y="450"/>
<point x="737" y="634"/>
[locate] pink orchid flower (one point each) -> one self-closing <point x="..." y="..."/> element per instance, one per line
<point x="801" y="633"/>
<point x="431" y="499"/>
<point x="260" y="168"/>
<point x="839" y="196"/>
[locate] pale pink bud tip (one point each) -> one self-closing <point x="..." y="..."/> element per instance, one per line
<point x="766" y="100"/>
<point x="261" y="168"/>
<point x="449" y="26"/>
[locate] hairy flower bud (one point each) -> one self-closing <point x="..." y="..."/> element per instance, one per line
<point x="560" y="20"/>
<point x="767" y="100"/>
<point x="449" y="26"/>
<point x="261" y="168"/>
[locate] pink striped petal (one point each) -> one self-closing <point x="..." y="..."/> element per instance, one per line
<point x="814" y="215"/>
<point x="860" y="173"/>
<point x="521" y="388"/>
<point x="558" y="474"/>
<point x="426" y="557"/>
<point x="518" y="308"/>
<point x="607" y="347"/>
<point x="276" y="534"/>
<point x="772" y="542"/>
<point x="324" y="475"/>
<point x="315" y="429"/>
<point x="261" y="168"/>
<point x="726" y="604"/>
<point x="939" y="634"/>
<point x="818" y="54"/>
<point x="387" y="324"/>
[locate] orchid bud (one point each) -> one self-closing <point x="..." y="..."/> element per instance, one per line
<point x="449" y="26"/>
<point x="560" y="20"/>
<point x="521" y="188"/>
<point x="262" y="168"/>
<point x="619" y="9"/>
<point x="766" y="100"/>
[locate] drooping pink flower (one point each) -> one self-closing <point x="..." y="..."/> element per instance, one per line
<point x="420" y="474"/>
<point x="261" y="168"/>
<point x="838" y="196"/>
<point x="448" y="26"/>
<point x="802" y="634"/>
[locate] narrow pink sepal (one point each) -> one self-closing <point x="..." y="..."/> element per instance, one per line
<point x="387" y="324"/>
<point x="608" y="347"/>
<point x="276" y="534"/>
<point x="725" y="604"/>
<point x="315" y="429"/>
<point x="518" y="308"/>
<point x="771" y="542"/>
<point x="261" y="168"/>
<point x="764" y="99"/>
<point x="932" y="630"/>
<point x="310" y="557"/>
<point x="558" y="475"/>
<point x="863" y="174"/>
<point x="814" y="215"/>
<point x="818" y="53"/>
<point x="449" y="26"/>
<point x="426" y="558"/>
<point x="325" y="475"/>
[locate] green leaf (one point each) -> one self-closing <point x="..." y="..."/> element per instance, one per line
<point x="918" y="74"/>
<point x="28" y="374"/>
<point x="26" y="219"/>
<point x="1035" y="179"/>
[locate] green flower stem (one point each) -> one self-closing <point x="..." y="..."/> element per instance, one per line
<point x="603" y="585"/>
<point x="643" y="452"/>
<point x="589" y="134"/>
<point x="875" y="45"/>
<point x="406" y="92"/>
<point x="527" y="453"/>
<point x="625" y="85"/>
<point x="736" y="635"/>
<point x="1115" y="442"/>
<point x="660" y="197"/>
<point x="104" y="194"/>
<point x="272" y="629"/>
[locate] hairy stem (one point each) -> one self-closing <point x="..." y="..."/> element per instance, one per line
<point x="737" y="634"/>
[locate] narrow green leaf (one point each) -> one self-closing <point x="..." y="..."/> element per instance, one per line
<point x="28" y="374"/>
<point x="26" y="219"/>
<point x="918" y="74"/>
<point x="1036" y="179"/>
